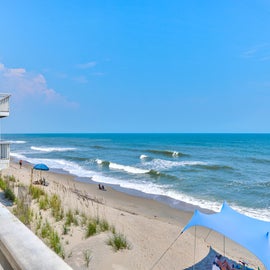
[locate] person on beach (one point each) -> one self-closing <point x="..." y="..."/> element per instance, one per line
<point x="101" y="187"/>
<point x="223" y="265"/>
<point x="20" y="162"/>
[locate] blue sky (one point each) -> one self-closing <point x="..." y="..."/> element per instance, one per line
<point x="136" y="66"/>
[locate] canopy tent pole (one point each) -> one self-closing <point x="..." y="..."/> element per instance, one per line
<point x="32" y="171"/>
<point x="158" y="260"/>
<point x="207" y="235"/>
<point x="194" y="248"/>
<point x="224" y="245"/>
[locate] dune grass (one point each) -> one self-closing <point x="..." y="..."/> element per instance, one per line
<point x="118" y="241"/>
<point x="39" y="202"/>
<point x="6" y="186"/>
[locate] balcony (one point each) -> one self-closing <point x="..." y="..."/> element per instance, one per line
<point x="4" y="154"/>
<point x="4" y="105"/>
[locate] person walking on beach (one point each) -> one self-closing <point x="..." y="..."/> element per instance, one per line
<point x="20" y="162"/>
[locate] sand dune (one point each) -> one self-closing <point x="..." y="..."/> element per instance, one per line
<point x="151" y="228"/>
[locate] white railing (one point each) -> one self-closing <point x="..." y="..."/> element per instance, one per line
<point x="4" y="154"/>
<point x="21" y="249"/>
<point x="4" y="105"/>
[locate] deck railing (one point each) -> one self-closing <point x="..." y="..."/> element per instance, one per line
<point x="4" y="154"/>
<point x="4" y="105"/>
<point x="21" y="249"/>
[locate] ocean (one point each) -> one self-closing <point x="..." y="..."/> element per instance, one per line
<point x="201" y="170"/>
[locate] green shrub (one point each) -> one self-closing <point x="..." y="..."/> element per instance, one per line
<point x="65" y="229"/>
<point x="23" y="212"/>
<point x="91" y="228"/>
<point x="87" y="257"/>
<point x="9" y="194"/>
<point x="3" y="184"/>
<point x="38" y="226"/>
<point x="44" y="203"/>
<point x="11" y="178"/>
<point x="70" y="218"/>
<point x="83" y="219"/>
<point x="55" y="204"/>
<point x="103" y="225"/>
<point x="113" y="230"/>
<point x="118" y="241"/>
<point x="52" y="237"/>
<point x="46" y="230"/>
<point x="36" y="192"/>
<point x="55" y="242"/>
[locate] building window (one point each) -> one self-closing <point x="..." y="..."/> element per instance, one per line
<point x="4" y="150"/>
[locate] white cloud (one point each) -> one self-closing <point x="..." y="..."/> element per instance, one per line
<point x="259" y="52"/>
<point x="80" y="79"/>
<point x="98" y="73"/>
<point x="265" y="58"/>
<point x="13" y="72"/>
<point x="87" y="65"/>
<point x="22" y="84"/>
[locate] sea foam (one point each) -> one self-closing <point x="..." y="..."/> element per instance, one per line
<point x="52" y="149"/>
<point x="128" y="169"/>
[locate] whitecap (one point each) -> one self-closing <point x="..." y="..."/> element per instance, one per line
<point x="17" y="142"/>
<point x="162" y="164"/>
<point x="99" y="161"/>
<point x="52" y="149"/>
<point x="128" y="169"/>
<point x="17" y="156"/>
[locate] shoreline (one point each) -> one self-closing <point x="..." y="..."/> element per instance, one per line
<point x="116" y="195"/>
<point x="152" y="227"/>
<point x="170" y="202"/>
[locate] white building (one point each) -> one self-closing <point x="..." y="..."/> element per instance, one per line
<point x="4" y="145"/>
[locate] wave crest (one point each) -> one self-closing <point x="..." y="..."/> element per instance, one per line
<point x="167" y="153"/>
<point x="102" y="162"/>
<point x="161" y="164"/>
<point x="52" y="149"/>
<point x="128" y="169"/>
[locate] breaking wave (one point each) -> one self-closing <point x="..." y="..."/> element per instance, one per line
<point x="161" y="164"/>
<point x="167" y="153"/>
<point x="17" y="155"/>
<point x="103" y="162"/>
<point x="128" y="169"/>
<point x="52" y="149"/>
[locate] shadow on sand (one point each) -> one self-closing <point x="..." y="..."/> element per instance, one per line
<point x="207" y="262"/>
<point x="5" y="201"/>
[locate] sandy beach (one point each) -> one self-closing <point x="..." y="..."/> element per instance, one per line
<point x="151" y="228"/>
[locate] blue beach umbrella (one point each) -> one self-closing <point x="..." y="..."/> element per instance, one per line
<point x="41" y="167"/>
